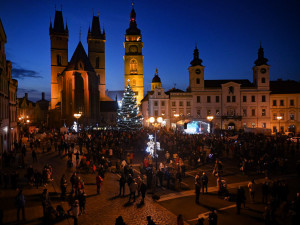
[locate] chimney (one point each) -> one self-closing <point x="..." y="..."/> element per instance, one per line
<point x="43" y="95"/>
<point x="26" y="95"/>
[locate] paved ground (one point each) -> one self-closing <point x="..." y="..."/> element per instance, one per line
<point x="100" y="209"/>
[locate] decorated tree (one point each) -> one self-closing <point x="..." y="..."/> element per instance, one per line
<point x="128" y="117"/>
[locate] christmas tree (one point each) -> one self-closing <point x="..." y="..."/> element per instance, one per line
<point x="128" y="117"/>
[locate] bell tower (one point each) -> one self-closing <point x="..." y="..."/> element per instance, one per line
<point x="59" y="36"/>
<point x="133" y="58"/>
<point x="196" y="73"/>
<point x="261" y="76"/>
<point x="96" y="51"/>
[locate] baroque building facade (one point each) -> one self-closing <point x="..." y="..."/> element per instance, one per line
<point x="8" y="99"/>
<point x="234" y="104"/>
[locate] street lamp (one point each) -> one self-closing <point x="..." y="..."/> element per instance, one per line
<point x="155" y="122"/>
<point x="279" y="118"/>
<point x="210" y="118"/>
<point x="77" y="116"/>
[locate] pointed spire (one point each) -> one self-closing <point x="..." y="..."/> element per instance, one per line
<point x="89" y="29"/>
<point x="133" y="30"/>
<point x="67" y="29"/>
<point x="103" y="31"/>
<point x="196" y="60"/>
<point x="58" y="26"/>
<point x="50" y="27"/>
<point x="156" y="78"/>
<point x="261" y="60"/>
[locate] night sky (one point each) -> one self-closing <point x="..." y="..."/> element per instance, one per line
<point x="227" y="33"/>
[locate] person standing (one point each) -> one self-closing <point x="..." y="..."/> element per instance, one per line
<point x="20" y="203"/>
<point x="45" y="201"/>
<point x="197" y="188"/>
<point x="213" y="218"/>
<point x="265" y="190"/>
<point x="239" y="199"/>
<point x="122" y="183"/>
<point x="143" y="191"/>
<point x="75" y="211"/>
<point x="34" y="157"/>
<point x="63" y="186"/>
<point x="252" y="187"/>
<point x="99" y="180"/>
<point x="180" y="220"/>
<point x="132" y="188"/>
<point x="204" y="180"/>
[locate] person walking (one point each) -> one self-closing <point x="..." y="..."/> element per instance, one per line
<point x="197" y="188"/>
<point x="99" y="180"/>
<point x="240" y="199"/>
<point x="204" y="180"/>
<point x="20" y="203"/>
<point x="252" y="187"/>
<point x="143" y="191"/>
<point x="122" y="183"/>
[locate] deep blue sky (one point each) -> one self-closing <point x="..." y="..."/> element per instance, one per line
<point x="227" y="32"/>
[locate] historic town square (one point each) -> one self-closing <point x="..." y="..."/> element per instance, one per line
<point x="113" y="112"/>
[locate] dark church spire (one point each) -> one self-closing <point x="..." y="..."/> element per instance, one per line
<point x="95" y="32"/>
<point x="261" y="60"/>
<point x="196" y="60"/>
<point x="58" y="27"/>
<point x="133" y="30"/>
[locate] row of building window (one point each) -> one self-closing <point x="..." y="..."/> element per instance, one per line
<point x="231" y="98"/>
<point x="281" y="102"/>
<point x="292" y="116"/>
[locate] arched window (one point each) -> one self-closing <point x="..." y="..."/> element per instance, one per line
<point x="97" y="62"/>
<point x="58" y="58"/>
<point x="133" y="82"/>
<point x="133" y="66"/>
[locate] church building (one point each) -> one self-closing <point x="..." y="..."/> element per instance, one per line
<point x="78" y="86"/>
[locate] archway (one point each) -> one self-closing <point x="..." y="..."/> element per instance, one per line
<point x="231" y="126"/>
<point x="292" y="128"/>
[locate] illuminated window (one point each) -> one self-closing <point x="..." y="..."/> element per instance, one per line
<point x="264" y="125"/>
<point x="217" y="112"/>
<point x="292" y="116"/>
<point x="133" y="66"/>
<point x="133" y="82"/>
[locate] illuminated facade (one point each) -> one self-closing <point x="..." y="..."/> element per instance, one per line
<point x="133" y="58"/>
<point x="8" y="96"/>
<point x="234" y="104"/>
<point x="79" y="85"/>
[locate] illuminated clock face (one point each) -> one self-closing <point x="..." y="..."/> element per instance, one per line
<point x="198" y="71"/>
<point x="133" y="48"/>
<point x="263" y="70"/>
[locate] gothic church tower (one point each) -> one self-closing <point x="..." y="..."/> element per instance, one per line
<point x="96" y="52"/>
<point x="133" y="58"/>
<point x="59" y="36"/>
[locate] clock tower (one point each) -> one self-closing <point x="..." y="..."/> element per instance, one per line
<point x="196" y="73"/>
<point x="261" y="76"/>
<point x="133" y="58"/>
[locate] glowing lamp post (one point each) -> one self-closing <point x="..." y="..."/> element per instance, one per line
<point x="279" y="118"/>
<point x="210" y="118"/>
<point x="155" y="122"/>
<point x="77" y="116"/>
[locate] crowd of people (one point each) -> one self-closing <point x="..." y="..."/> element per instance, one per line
<point x="95" y="152"/>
